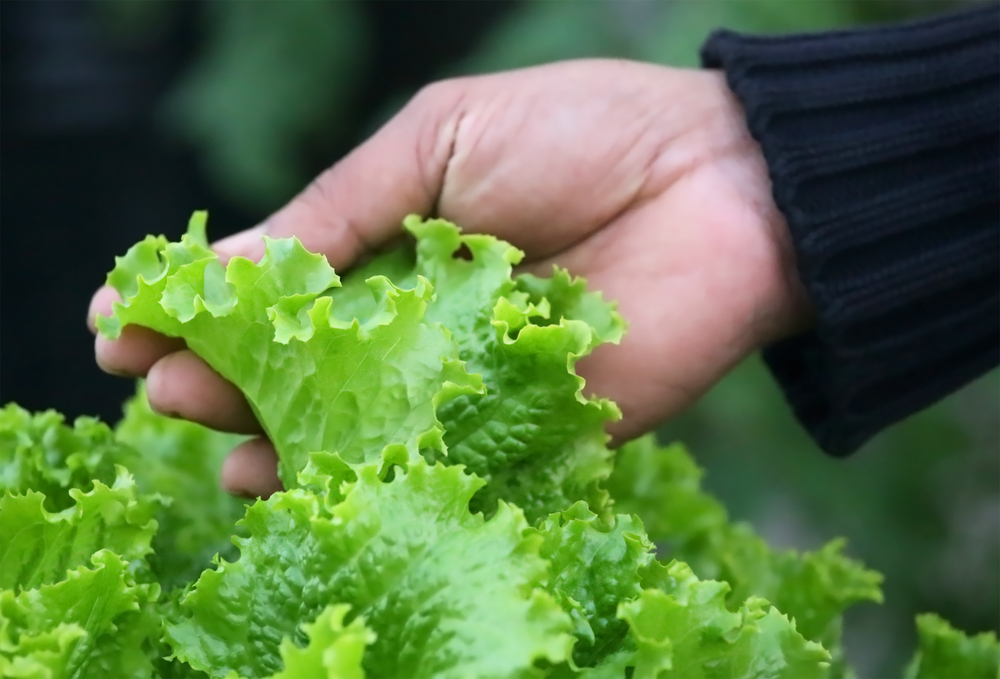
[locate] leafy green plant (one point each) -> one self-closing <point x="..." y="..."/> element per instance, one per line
<point x="451" y="506"/>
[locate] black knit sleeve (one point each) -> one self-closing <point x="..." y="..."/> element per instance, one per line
<point x="883" y="146"/>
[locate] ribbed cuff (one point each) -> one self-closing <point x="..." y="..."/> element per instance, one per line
<point x="883" y="147"/>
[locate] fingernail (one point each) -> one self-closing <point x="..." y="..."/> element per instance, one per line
<point x="249" y="244"/>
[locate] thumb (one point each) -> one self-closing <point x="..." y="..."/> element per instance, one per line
<point x="359" y="204"/>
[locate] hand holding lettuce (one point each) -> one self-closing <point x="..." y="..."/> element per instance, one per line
<point x="665" y="208"/>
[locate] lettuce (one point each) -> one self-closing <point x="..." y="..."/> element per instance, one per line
<point x="38" y="452"/>
<point x="464" y="366"/>
<point x="452" y="508"/>
<point x="365" y="390"/>
<point x="121" y="536"/>
<point x="684" y="629"/>
<point x="93" y="623"/>
<point x="445" y="592"/>
<point x="37" y="547"/>
<point x="334" y="651"/>
<point x="947" y="653"/>
<point x="663" y="486"/>
<point x="180" y="461"/>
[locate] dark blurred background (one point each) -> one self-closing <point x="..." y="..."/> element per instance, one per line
<point x="118" y="118"/>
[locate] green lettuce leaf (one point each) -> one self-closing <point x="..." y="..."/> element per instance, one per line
<point x="568" y="298"/>
<point x="334" y="651"/>
<point x="663" y="486"/>
<point x="361" y="390"/>
<point x="447" y="593"/>
<point x="594" y="567"/>
<point x="94" y="623"/>
<point x="382" y="370"/>
<point x="181" y="462"/>
<point x="45" y="655"/>
<point x="683" y="629"/>
<point x="532" y="435"/>
<point x="40" y="452"/>
<point x="38" y="547"/>
<point x="172" y="461"/>
<point x="947" y="653"/>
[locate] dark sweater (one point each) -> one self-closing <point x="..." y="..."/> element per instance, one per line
<point x="883" y="146"/>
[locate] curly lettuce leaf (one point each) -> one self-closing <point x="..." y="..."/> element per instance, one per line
<point x="335" y="650"/>
<point x="533" y="436"/>
<point x="170" y="459"/>
<point x="568" y="297"/>
<point x="362" y="390"/>
<point x="38" y="547"/>
<point x="378" y="369"/>
<point x="94" y="623"/>
<point x="683" y="629"/>
<point x="181" y="462"/>
<point x="40" y="452"/>
<point x="45" y="655"/>
<point x="663" y="486"/>
<point x="595" y="566"/>
<point x="447" y="593"/>
<point x="947" y="653"/>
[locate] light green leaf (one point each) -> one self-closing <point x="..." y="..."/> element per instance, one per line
<point x="181" y="462"/>
<point x="384" y="378"/>
<point x="334" y="651"/>
<point x="533" y="421"/>
<point x="447" y="593"/>
<point x="683" y="629"/>
<point x="594" y="567"/>
<point x="45" y="655"/>
<point x="38" y="547"/>
<point x="662" y="486"/>
<point x="94" y="622"/>
<point x="568" y="298"/>
<point x="947" y="653"/>
<point x="361" y="390"/>
<point x="40" y="452"/>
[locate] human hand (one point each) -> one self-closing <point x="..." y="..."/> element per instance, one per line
<point x="640" y="178"/>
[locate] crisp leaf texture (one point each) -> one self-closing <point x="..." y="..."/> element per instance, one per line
<point x="40" y="452"/>
<point x="181" y="461"/>
<point x="683" y="629"/>
<point x="662" y="485"/>
<point x="595" y="566"/>
<point x="334" y="651"/>
<point x="88" y="625"/>
<point x="382" y="370"/>
<point x="38" y="547"/>
<point x="524" y="337"/>
<point x="947" y="653"/>
<point x="447" y="593"/>
<point x="361" y="390"/>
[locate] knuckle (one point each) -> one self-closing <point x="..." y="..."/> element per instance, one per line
<point x="440" y="94"/>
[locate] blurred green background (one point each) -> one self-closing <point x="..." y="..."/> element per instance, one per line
<point x="276" y="90"/>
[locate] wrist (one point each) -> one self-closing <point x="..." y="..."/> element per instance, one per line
<point x="781" y="307"/>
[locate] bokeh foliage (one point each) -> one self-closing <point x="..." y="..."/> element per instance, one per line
<point x="273" y="81"/>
